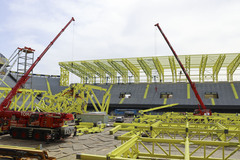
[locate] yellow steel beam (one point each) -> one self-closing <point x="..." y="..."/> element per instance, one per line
<point x="94" y="69"/>
<point x="159" y="68"/>
<point x="123" y="148"/>
<point x="147" y="70"/>
<point x="64" y="77"/>
<point x="133" y="69"/>
<point x="234" y="91"/>
<point x="120" y="69"/>
<point x="202" y="67"/>
<point x="165" y="101"/>
<point x="121" y="101"/>
<point x="108" y="70"/>
<point x="213" y="102"/>
<point x="78" y="71"/>
<point x="217" y="66"/>
<point x="188" y="91"/>
<point x="146" y="92"/>
<point x="231" y="68"/>
<point x="173" y="68"/>
<point x="157" y="108"/>
<point x="187" y="64"/>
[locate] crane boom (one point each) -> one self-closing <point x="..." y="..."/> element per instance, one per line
<point x="183" y="69"/>
<point x="7" y="101"/>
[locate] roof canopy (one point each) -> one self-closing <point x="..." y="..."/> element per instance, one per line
<point x="201" y="68"/>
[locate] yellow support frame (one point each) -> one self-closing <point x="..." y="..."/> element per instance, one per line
<point x="146" y="92"/>
<point x="217" y="66"/>
<point x="95" y="70"/>
<point x="159" y="68"/>
<point x="108" y="70"/>
<point x="231" y="68"/>
<point x="234" y="91"/>
<point x="133" y="69"/>
<point x="173" y="68"/>
<point x="64" y="77"/>
<point x="120" y="69"/>
<point x="202" y="67"/>
<point x="147" y="70"/>
<point x="187" y="65"/>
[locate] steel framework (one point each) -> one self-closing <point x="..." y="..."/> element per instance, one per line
<point x="177" y="136"/>
<point x="203" y="68"/>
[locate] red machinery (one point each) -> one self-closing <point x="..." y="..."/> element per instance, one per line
<point x="37" y="125"/>
<point x="202" y="110"/>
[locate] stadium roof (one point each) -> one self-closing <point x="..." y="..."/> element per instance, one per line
<point x="201" y="68"/>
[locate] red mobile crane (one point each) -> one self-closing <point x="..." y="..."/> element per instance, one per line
<point x="37" y="125"/>
<point x="202" y="110"/>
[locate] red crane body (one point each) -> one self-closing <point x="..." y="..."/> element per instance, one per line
<point x="37" y="125"/>
<point x="199" y="111"/>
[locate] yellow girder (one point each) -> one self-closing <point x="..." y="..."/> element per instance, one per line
<point x="147" y="70"/>
<point x="120" y="69"/>
<point x="203" y="67"/>
<point x="108" y="70"/>
<point x="231" y="68"/>
<point x="133" y="69"/>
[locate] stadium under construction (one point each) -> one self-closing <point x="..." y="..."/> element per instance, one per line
<point x="143" y="83"/>
<point x="187" y="108"/>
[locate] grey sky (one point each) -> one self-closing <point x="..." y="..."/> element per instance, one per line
<point x="118" y="28"/>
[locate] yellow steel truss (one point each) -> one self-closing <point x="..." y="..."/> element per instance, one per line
<point x="133" y="69"/>
<point x="177" y="136"/>
<point x="64" y="77"/>
<point x="108" y="70"/>
<point x="203" y="67"/>
<point x="147" y="70"/>
<point x="231" y="68"/>
<point x="173" y="68"/>
<point x="74" y="99"/>
<point x="120" y="69"/>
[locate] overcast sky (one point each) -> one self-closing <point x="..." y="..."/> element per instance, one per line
<point x="118" y="28"/>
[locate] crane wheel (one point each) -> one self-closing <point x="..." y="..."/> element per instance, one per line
<point x="14" y="133"/>
<point x="24" y="134"/>
<point x="47" y="136"/>
<point x="37" y="135"/>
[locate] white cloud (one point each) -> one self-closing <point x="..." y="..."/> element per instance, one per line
<point x="119" y="28"/>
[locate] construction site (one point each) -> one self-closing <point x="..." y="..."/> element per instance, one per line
<point x="161" y="107"/>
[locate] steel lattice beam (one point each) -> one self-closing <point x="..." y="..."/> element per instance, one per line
<point x="159" y="68"/>
<point x="217" y="66"/>
<point x="108" y="70"/>
<point x="147" y="70"/>
<point x="94" y="69"/>
<point x="173" y="68"/>
<point x="202" y="67"/>
<point x="133" y="69"/>
<point x="120" y="69"/>
<point x="231" y="68"/>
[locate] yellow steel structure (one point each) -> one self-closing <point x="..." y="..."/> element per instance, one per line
<point x="203" y="68"/>
<point x="176" y="136"/>
<point x="74" y="99"/>
<point x="231" y="68"/>
<point x="64" y="77"/>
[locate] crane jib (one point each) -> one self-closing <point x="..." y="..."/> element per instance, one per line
<point x="7" y="101"/>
